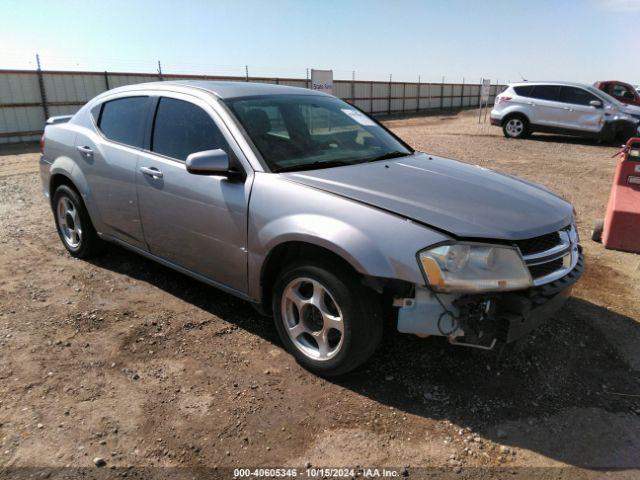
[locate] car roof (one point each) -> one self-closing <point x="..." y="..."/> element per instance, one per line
<point x="221" y="89"/>
<point x="553" y="82"/>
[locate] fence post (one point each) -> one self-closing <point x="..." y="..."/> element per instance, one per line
<point x="353" y="87"/>
<point x="404" y="96"/>
<point x="442" y="94"/>
<point x="462" y="95"/>
<point x="371" y="97"/>
<point x="106" y="80"/>
<point x="389" y="105"/>
<point x="418" y="96"/>
<point x="43" y="93"/>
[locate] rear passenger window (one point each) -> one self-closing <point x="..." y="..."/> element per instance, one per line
<point x="182" y="128"/>
<point x="524" y="91"/>
<point x="577" y="96"/>
<point x="122" y="120"/>
<point x="546" y="92"/>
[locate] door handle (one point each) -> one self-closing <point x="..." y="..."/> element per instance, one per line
<point x="567" y="108"/>
<point x="85" y="151"/>
<point x="151" y="171"/>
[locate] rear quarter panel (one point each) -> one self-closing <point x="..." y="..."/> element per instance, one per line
<point x="60" y="157"/>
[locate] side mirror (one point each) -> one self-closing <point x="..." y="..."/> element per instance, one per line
<point x="208" y="162"/>
<point x="595" y="103"/>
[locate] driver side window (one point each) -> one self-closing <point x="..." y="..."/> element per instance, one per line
<point x="181" y="128"/>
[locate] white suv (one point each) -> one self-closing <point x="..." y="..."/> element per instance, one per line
<point x="565" y="108"/>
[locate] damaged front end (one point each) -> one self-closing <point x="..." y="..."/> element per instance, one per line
<point x="482" y="320"/>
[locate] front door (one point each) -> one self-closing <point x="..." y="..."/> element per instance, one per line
<point x="579" y="113"/>
<point x="197" y="222"/>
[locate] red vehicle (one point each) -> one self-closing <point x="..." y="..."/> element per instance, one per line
<point x="620" y="91"/>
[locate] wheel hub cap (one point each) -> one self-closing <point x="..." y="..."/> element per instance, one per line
<point x="69" y="222"/>
<point x="312" y="319"/>
<point x="515" y="127"/>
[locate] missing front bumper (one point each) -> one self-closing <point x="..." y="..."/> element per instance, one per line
<point x="483" y="320"/>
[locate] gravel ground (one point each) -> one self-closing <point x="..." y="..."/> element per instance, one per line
<point x="123" y="360"/>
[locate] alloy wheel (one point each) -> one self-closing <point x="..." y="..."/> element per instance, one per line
<point x="312" y="319"/>
<point x="69" y="222"/>
<point x="515" y="127"/>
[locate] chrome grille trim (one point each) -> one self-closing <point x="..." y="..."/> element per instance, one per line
<point x="567" y="249"/>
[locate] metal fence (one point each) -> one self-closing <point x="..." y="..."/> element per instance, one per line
<point x="28" y="97"/>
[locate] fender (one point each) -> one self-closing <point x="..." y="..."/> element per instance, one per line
<point x="344" y="239"/>
<point x="373" y="241"/>
<point x="339" y="237"/>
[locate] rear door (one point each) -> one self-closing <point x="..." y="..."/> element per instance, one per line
<point x="579" y="114"/>
<point x="108" y="157"/>
<point x="197" y="222"/>
<point x="545" y="106"/>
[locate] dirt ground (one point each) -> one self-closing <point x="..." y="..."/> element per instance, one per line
<point x="123" y="359"/>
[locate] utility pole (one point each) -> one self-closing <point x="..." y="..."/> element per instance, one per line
<point x="307" y="77"/>
<point x="246" y="73"/>
<point x="159" y="71"/>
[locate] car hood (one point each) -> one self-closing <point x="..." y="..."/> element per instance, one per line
<point x="464" y="200"/>
<point x="632" y="110"/>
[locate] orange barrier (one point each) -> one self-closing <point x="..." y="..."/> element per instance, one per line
<point x="621" y="230"/>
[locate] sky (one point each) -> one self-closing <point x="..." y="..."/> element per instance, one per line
<point x="578" y="40"/>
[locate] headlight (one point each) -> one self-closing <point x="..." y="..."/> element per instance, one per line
<point x="474" y="268"/>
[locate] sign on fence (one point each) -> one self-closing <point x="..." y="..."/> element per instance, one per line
<point x="322" y="80"/>
<point x="485" y="90"/>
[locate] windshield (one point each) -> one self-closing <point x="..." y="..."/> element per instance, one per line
<point x="303" y="132"/>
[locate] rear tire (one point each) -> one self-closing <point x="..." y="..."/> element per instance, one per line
<point x="515" y="126"/>
<point x="326" y="318"/>
<point x="73" y="223"/>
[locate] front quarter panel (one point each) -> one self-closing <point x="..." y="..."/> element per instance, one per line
<point x="373" y="241"/>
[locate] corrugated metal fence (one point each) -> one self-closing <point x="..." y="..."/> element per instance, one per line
<point x="28" y="97"/>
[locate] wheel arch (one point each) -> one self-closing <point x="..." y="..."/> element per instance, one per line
<point x="289" y="251"/>
<point x="511" y="115"/>
<point x="57" y="180"/>
<point x="64" y="172"/>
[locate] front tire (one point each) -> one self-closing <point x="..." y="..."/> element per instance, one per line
<point x="73" y="223"/>
<point x="515" y="127"/>
<point x="326" y="318"/>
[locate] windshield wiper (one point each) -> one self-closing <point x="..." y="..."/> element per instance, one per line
<point x="312" y="166"/>
<point x="387" y="156"/>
